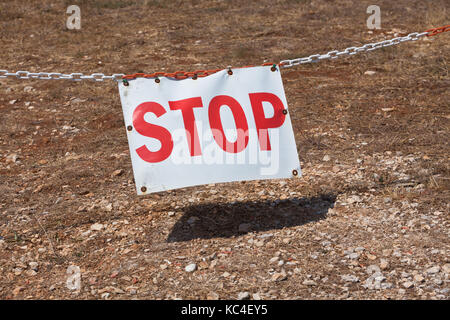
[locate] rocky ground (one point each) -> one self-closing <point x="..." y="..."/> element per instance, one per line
<point x="369" y="218"/>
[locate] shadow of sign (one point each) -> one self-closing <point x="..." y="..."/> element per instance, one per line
<point x="216" y="220"/>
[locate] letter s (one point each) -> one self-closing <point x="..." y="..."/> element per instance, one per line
<point x="152" y="131"/>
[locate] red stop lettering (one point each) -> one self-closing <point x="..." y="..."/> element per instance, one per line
<point x="187" y="110"/>
<point x="152" y="131"/>
<point x="216" y="124"/>
<point x="263" y="123"/>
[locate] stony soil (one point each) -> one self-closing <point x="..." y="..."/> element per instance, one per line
<point x="369" y="219"/>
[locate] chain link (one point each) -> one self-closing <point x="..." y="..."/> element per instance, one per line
<point x="203" y="73"/>
<point x="60" y="76"/>
<point x="352" y="50"/>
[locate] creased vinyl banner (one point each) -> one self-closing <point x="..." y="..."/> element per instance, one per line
<point x="220" y="128"/>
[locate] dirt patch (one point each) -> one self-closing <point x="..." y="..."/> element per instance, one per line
<point x="368" y="219"/>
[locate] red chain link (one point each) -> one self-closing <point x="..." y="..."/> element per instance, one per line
<point x="179" y="75"/>
<point x="435" y="31"/>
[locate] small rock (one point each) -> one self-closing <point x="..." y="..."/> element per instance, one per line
<point x="117" y="173"/>
<point x="191" y="267"/>
<point x="308" y="282"/>
<point x="279" y="276"/>
<point x="433" y="270"/>
<point x="273" y="260"/>
<point x="353" y="255"/>
<point x="384" y="264"/>
<point x="259" y="243"/>
<point x="256" y="296"/>
<point x="408" y="284"/>
<point x="33" y="265"/>
<point x="97" y="227"/>
<point x="28" y="89"/>
<point x="370" y="73"/>
<point x="105" y="295"/>
<point x="12" y="158"/>
<point x="370" y="256"/>
<point x="419" y="278"/>
<point x="326" y="158"/>
<point x="243" y="296"/>
<point x="31" y="273"/>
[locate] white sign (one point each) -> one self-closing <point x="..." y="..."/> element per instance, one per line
<point x="218" y="128"/>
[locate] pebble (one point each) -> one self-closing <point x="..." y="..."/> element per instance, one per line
<point x="117" y="173"/>
<point x="243" y="296"/>
<point x="259" y="243"/>
<point x="384" y="264"/>
<point x="350" y="278"/>
<point x="191" y="267"/>
<point x="433" y="270"/>
<point x="326" y="158"/>
<point x="273" y="260"/>
<point x="256" y="296"/>
<point x="353" y="255"/>
<point x="279" y="276"/>
<point x="31" y="273"/>
<point x="33" y="265"/>
<point x="419" y="278"/>
<point x="96" y="227"/>
<point x="12" y="158"/>
<point x="370" y="73"/>
<point x="408" y="284"/>
<point x="308" y="282"/>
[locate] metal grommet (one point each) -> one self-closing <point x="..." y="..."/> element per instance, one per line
<point x="125" y="82"/>
<point x="129" y="128"/>
<point x="274" y="68"/>
<point x="230" y="72"/>
<point x="284" y="111"/>
<point x="295" y="172"/>
<point x="194" y="77"/>
<point x="157" y="80"/>
<point x="144" y="189"/>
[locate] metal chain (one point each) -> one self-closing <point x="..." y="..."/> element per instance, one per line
<point x="352" y="50"/>
<point x="60" y="76"/>
<point x="203" y="73"/>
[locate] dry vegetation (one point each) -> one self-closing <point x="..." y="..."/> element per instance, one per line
<point x="368" y="220"/>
